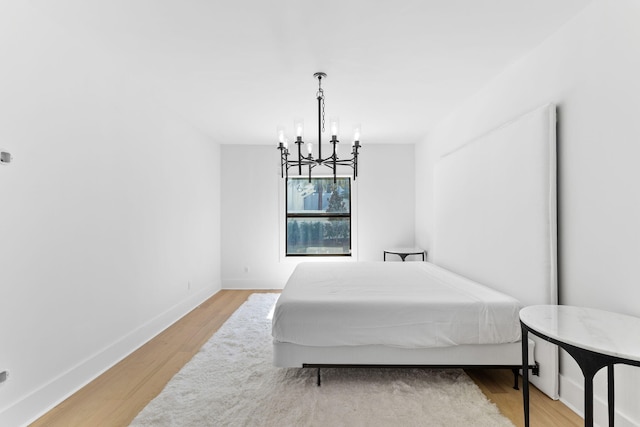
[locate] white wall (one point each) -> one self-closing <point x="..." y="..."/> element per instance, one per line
<point x="252" y="211"/>
<point x="109" y="209"/>
<point x="590" y="68"/>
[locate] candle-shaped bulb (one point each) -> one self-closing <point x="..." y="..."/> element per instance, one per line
<point x="356" y="133"/>
<point x="298" y="127"/>
<point x="334" y="124"/>
<point x="280" y="130"/>
<point x="310" y="148"/>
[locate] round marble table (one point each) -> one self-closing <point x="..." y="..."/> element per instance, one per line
<point x="594" y="338"/>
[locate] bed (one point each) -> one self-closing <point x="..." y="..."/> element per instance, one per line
<point x="373" y="312"/>
<point x="494" y="251"/>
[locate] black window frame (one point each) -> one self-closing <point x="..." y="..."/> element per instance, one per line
<point x="319" y="215"/>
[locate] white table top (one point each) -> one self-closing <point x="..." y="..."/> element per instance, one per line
<point x="596" y="330"/>
<point x="405" y="251"/>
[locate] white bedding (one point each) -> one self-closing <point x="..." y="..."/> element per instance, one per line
<point x="399" y="304"/>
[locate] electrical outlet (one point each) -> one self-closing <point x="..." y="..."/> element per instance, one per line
<point x="5" y="157"/>
<point x="3" y="376"/>
<point x="246" y="269"/>
<point x="189" y="286"/>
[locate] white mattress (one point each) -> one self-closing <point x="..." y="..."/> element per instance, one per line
<point x="399" y="304"/>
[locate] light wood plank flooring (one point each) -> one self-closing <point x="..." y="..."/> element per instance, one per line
<point x="116" y="397"/>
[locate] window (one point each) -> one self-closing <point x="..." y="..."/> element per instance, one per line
<point x="318" y="217"/>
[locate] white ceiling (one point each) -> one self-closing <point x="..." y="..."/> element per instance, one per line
<point x="238" y="68"/>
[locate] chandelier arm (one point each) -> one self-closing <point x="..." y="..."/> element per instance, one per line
<point x="283" y="160"/>
<point x="355" y="166"/>
<point x="356" y="146"/>
<point x="283" y="163"/>
<point x="334" y="141"/>
<point x="286" y="163"/>
<point x="312" y="164"/>
<point x="303" y="162"/>
<point x="299" y="144"/>
<point x="330" y="165"/>
<point x="345" y="162"/>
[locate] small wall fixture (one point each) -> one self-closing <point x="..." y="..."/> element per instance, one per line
<point x="5" y="157"/>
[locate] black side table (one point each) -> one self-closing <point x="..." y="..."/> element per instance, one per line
<point x="404" y="252"/>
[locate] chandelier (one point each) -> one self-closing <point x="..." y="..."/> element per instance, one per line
<point x="332" y="161"/>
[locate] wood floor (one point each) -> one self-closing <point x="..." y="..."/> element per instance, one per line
<point x="116" y="397"/>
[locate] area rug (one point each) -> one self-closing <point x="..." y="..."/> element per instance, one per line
<point x="231" y="382"/>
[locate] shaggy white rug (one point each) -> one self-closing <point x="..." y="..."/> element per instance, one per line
<point x="231" y="382"/>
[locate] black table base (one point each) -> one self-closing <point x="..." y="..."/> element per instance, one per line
<point x="590" y="363"/>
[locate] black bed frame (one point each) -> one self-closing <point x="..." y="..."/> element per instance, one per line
<point x="535" y="369"/>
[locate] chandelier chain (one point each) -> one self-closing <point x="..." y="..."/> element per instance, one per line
<point x="320" y="95"/>
<point x="323" y="113"/>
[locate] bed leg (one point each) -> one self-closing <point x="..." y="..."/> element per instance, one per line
<point x="318" y="383"/>
<point x="515" y="378"/>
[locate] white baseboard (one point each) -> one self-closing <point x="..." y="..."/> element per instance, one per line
<point x="245" y="284"/>
<point x="572" y="395"/>
<point x="42" y="400"/>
